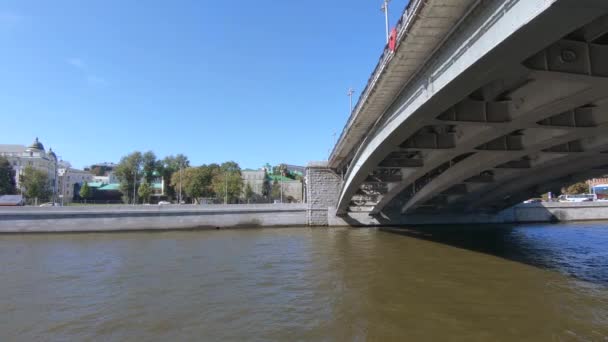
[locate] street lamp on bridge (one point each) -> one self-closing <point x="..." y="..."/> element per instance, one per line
<point x="384" y="9"/>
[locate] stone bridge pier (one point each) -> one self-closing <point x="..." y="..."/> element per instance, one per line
<point x="323" y="187"/>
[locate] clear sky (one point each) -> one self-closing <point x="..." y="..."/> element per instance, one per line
<point x="250" y="81"/>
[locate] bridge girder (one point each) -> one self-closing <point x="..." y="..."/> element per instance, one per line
<point x="529" y="110"/>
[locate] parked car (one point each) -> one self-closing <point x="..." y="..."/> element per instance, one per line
<point x="578" y="198"/>
<point x="163" y="203"/>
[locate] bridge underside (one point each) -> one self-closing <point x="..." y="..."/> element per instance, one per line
<point x="529" y="126"/>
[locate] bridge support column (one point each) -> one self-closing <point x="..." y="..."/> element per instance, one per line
<point x="322" y="192"/>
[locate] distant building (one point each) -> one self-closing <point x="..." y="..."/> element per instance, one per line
<point x="109" y="178"/>
<point x="107" y="188"/>
<point x="292" y="188"/>
<point x="101" y="168"/>
<point x="255" y="179"/>
<point x="295" y="169"/>
<point x="20" y="156"/>
<point x="70" y="180"/>
<point x="597" y="181"/>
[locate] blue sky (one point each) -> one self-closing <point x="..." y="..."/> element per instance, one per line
<point x="250" y="81"/>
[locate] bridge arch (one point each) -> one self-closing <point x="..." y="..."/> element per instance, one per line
<point x="491" y="109"/>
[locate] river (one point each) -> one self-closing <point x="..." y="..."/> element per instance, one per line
<point x="520" y="283"/>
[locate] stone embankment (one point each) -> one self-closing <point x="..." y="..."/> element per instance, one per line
<point x="125" y="217"/>
<point x="150" y="218"/>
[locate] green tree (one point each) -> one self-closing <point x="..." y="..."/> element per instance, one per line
<point x="576" y="188"/>
<point x="145" y="191"/>
<point x="248" y="192"/>
<point x="227" y="182"/>
<point x="85" y="191"/>
<point x="149" y="165"/>
<point x="276" y="190"/>
<point x="266" y="188"/>
<point x="129" y="173"/>
<point x="7" y="178"/>
<point x="35" y="184"/>
<point x="168" y="167"/>
<point x="196" y="182"/>
<point x="185" y="180"/>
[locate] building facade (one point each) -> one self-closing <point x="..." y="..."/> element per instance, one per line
<point x="20" y="156"/>
<point x="255" y="179"/>
<point x="69" y="181"/>
<point x="292" y="189"/>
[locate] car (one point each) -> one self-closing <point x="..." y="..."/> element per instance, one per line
<point x="163" y="203"/>
<point x="49" y="204"/>
<point x="578" y="198"/>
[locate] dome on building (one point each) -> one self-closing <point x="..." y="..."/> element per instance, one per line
<point x="36" y="145"/>
<point x="51" y="153"/>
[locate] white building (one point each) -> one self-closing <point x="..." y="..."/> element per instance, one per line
<point x="35" y="156"/>
<point x="109" y="178"/>
<point x="255" y="179"/>
<point x="67" y="178"/>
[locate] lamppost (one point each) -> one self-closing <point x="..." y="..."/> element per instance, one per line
<point x="282" y="176"/>
<point x="179" y="201"/>
<point x="350" y="93"/>
<point x="55" y="182"/>
<point x="384" y="9"/>
<point x="134" y="185"/>
<point x="63" y="178"/>
<point x="225" y="187"/>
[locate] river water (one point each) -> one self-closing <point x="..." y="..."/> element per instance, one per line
<point x="521" y="283"/>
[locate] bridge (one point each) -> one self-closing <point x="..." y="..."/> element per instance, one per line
<point x="480" y="105"/>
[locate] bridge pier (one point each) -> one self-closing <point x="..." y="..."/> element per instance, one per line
<point x="322" y="192"/>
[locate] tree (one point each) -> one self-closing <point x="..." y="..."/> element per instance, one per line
<point x="576" y="188"/>
<point x="35" y="184"/>
<point x="195" y="182"/>
<point x="7" y="178"/>
<point x="185" y="179"/>
<point x="129" y="172"/>
<point x="266" y="188"/>
<point x="85" y="191"/>
<point x="248" y="192"/>
<point x="168" y="167"/>
<point x="145" y="191"/>
<point x="227" y="182"/>
<point x="276" y="190"/>
<point x="149" y="165"/>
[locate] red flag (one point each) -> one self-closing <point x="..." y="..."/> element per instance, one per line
<point x="392" y="40"/>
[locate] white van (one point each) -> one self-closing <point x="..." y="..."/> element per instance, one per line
<point x="578" y="198"/>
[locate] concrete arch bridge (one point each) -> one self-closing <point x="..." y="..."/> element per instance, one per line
<point x="481" y="105"/>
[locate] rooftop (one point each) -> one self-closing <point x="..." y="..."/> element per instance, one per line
<point x="110" y="187"/>
<point x="37" y="145"/>
<point x="8" y="148"/>
<point x="281" y="178"/>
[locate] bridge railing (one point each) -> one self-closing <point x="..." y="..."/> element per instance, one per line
<point x="402" y="26"/>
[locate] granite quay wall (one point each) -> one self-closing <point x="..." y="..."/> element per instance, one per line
<point x="123" y="217"/>
<point x="119" y="218"/>
<point x="522" y="213"/>
<point x="322" y="191"/>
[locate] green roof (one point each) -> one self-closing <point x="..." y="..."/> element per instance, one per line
<point x="95" y="184"/>
<point x="110" y="187"/>
<point x="281" y="178"/>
